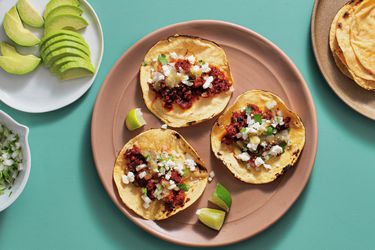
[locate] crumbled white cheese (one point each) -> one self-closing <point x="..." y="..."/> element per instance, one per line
<point x="168" y="175"/>
<point x="195" y="69"/>
<point x="270" y="105"/>
<point x="164" y="126"/>
<point x="191" y="59"/>
<point x="258" y="161"/>
<point x="185" y="80"/>
<point x="140" y="167"/>
<point x="173" y="55"/>
<point x="179" y="168"/>
<point x="276" y="150"/>
<point x="172" y="185"/>
<point x="211" y="176"/>
<point x="146" y="200"/>
<point x="263" y="144"/>
<point x="190" y="163"/>
<point x="267" y="166"/>
<point x="206" y="68"/>
<point x="125" y="179"/>
<point x="167" y="69"/>
<point x="252" y="147"/>
<point x="142" y="174"/>
<point x="157" y="76"/>
<point x="208" y="82"/>
<point x="170" y="164"/>
<point x="243" y="156"/>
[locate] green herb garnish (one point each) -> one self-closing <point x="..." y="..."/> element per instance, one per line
<point x="269" y="131"/>
<point x="144" y="64"/>
<point x="258" y="118"/>
<point x="283" y="145"/>
<point x="163" y="59"/>
<point x="183" y="187"/>
<point x="201" y="62"/>
<point x="186" y="172"/>
<point x="144" y="191"/>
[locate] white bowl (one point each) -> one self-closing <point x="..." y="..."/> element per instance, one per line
<point x="21" y="180"/>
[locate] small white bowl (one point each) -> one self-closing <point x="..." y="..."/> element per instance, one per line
<point x="21" y="180"/>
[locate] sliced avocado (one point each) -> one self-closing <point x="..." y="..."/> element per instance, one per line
<point x="58" y="39"/>
<point x="53" y="4"/>
<point x="19" y="65"/>
<point x="7" y="50"/>
<point x="57" y="64"/>
<point x="73" y="70"/>
<point x="60" y="53"/>
<point x="65" y="22"/>
<point x="29" y="14"/>
<point x="14" y="29"/>
<point x="60" y="33"/>
<point x="64" y="10"/>
<point x="65" y="44"/>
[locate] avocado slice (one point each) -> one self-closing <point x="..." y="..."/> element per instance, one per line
<point x="8" y="50"/>
<point x="53" y="4"/>
<point x="65" y="44"/>
<point x="73" y="70"/>
<point x="64" y="10"/>
<point x="60" y="53"/>
<point x="59" y="33"/>
<point x="14" y="29"/>
<point x="29" y="14"/>
<point x="58" y="39"/>
<point x="19" y="65"/>
<point x="57" y="64"/>
<point x="67" y="21"/>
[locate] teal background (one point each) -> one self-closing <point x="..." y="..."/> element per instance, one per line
<point x="64" y="205"/>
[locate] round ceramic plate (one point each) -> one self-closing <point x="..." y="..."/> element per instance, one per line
<point x="41" y="91"/>
<point x="256" y="64"/>
<point x="361" y="100"/>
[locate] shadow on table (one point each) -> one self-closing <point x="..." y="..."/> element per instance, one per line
<point x="122" y="232"/>
<point x="343" y="116"/>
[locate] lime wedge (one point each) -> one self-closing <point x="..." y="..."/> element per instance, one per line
<point x="221" y="197"/>
<point x="212" y="218"/>
<point x="134" y="119"/>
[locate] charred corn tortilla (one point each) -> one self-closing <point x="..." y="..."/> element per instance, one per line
<point x="152" y="144"/>
<point x="201" y="54"/>
<point x="352" y="43"/>
<point x="233" y="155"/>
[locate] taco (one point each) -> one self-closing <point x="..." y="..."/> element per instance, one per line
<point x="258" y="138"/>
<point x="185" y="80"/>
<point x="158" y="174"/>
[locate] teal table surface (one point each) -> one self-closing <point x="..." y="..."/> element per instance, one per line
<point x="64" y="205"/>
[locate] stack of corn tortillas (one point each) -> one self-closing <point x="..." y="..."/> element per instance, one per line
<point x="352" y="41"/>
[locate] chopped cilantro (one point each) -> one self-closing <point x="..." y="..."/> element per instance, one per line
<point x="144" y="191"/>
<point x="258" y="118"/>
<point x="269" y="130"/>
<point x="201" y="62"/>
<point x="283" y="145"/>
<point x="183" y="187"/>
<point x="144" y="64"/>
<point x="163" y="59"/>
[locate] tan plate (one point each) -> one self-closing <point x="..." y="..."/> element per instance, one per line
<point x="357" y="98"/>
<point x="255" y="63"/>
